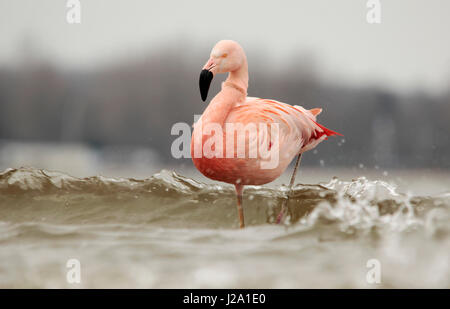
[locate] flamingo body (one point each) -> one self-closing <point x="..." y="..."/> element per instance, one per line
<point x="298" y="132"/>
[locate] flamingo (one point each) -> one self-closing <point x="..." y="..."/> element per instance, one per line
<point x="296" y="128"/>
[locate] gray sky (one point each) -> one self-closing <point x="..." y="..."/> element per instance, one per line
<point x="410" y="48"/>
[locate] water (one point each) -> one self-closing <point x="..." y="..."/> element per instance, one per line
<point x="171" y="231"/>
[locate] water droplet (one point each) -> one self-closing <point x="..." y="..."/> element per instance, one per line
<point x="322" y="163"/>
<point x="251" y="197"/>
<point x="315" y="151"/>
<point x="385" y="173"/>
<point x="238" y="181"/>
<point x="361" y="165"/>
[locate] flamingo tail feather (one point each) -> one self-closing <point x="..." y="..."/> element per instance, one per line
<point x="328" y="132"/>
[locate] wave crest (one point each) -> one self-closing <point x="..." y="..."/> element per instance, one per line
<point x="169" y="199"/>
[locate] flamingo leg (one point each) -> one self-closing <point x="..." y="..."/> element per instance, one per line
<point x="239" y="190"/>
<point x="283" y="211"/>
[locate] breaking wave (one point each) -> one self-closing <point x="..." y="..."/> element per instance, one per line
<point x="169" y="199"/>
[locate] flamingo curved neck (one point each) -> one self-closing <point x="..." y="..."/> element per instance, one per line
<point x="234" y="90"/>
<point x="240" y="76"/>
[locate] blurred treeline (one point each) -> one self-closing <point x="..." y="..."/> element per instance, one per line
<point x="136" y="102"/>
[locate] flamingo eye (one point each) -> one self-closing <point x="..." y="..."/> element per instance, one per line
<point x="224" y="55"/>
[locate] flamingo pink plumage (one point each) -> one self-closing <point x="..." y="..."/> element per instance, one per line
<point x="296" y="127"/>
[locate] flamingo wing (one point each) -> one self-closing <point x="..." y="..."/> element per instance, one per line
<point x="298" y="129"/>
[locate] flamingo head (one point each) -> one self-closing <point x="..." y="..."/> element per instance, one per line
<point x="226" y="56"/>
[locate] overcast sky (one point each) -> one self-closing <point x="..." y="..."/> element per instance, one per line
<point x="410" y="48"/>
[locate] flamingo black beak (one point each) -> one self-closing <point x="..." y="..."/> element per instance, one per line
<point x="206" y="77"/>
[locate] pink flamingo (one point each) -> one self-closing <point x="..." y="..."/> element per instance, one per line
<point x="297" y="129"/>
